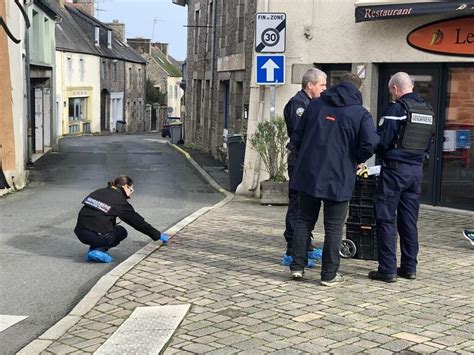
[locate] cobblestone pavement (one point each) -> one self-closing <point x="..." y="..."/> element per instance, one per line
<point x="226" y="265"/>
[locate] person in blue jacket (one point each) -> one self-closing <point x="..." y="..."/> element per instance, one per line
<point x="334" y="135"/>
<point x="313" y="84"/>
<point x="398" y="194"/>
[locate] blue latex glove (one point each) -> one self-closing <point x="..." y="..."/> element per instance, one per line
<point x="316" y="254"/>
<point x="164" y="238"/>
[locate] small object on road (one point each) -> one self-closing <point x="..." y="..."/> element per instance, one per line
<point x="469" y="235"/>
<point x="286" y="260"/>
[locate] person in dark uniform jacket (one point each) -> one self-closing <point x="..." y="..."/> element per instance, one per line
<point x="313" y="84"/>
<point x="97" y="221"/>
<point x="398" y="193"/>
<point x="335" y="134"/>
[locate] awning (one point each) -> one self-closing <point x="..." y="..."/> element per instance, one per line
<point x="382" y="10"/>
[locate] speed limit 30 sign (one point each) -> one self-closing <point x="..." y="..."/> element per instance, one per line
<point x="270" y="32"/>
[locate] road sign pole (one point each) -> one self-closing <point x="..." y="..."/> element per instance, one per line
<point x="272" y="103"/>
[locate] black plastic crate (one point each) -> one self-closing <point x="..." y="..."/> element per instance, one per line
<point x="364" y="237"/>
<point x="364" y="190"/>
<point x="364" y="214"/>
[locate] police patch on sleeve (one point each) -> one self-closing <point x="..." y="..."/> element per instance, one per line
<point x="299" y="112"/>
<point x="382" y="120"/>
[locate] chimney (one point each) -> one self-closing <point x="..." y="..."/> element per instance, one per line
<point x="118" y="28"/>
<point x="88" y="6"/>
<point x="141" y="45"/>
<point x="162" y="47"/>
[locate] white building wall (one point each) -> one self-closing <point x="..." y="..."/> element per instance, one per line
<point x="75" y="78"/>
<point x="325" y="32"/>
<point x="19" y="103"/>
<point x="174" y="101"/>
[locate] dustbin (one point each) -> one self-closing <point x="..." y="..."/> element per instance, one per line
<point x="235" y="156"/>
<point x="176" y="132"/>
<point x="120" y="126"/>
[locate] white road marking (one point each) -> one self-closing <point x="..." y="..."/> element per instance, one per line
<point x="6" y="321"/>
<point x="164" y="141"/>
<point x="146" y="331"/>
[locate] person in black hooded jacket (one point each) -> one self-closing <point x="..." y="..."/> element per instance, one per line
<point x="97" y="221"/>
<point x="334" y="135"/>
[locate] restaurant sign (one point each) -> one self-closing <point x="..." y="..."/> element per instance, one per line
<point x="448" y="37"/>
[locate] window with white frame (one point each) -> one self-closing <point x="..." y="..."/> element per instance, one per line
<point x="77" y="108"/>
<point x="97" y="36"/>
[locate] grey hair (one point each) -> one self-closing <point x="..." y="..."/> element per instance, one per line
<point x="401" y="80"/>
<point x="312" y="75"/>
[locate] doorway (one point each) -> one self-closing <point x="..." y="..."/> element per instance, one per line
<point x="427" y="79"/>
<point x="104" y="110"/>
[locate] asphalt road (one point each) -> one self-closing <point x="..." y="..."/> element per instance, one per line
<point x="43" y="272"/>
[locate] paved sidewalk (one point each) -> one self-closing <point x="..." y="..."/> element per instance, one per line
<point x="225" y="264"/>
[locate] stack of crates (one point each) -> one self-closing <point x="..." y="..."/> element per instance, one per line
<point x="360" y="226"/>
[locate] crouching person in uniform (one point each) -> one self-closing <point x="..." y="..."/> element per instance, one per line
<point x="97" y="221"/>
<point x="405" y="130"/>
<point x="334" y="134"/>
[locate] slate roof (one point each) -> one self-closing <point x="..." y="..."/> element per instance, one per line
<point x="76" y="33"/>
<point x="169" y="64"/>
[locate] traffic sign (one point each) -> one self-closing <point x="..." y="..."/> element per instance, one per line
<point x="270" y="32"/>
<point x="270" y="69"/>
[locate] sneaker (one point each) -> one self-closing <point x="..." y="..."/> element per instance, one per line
<point x="469" y="235"/>
<point x="99" y="256"/>
<point x="406" y="275"/>
<point x="375" y="275"/>
<point x="315" y="254"/>
<point x="337" y="280"/>
<point x="297" y="275"/>
<point x="286" y="260"/>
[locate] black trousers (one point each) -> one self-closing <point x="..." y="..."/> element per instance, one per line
<point x="334" y="217"/>
<point x="292" y="212"/>
<point x="103" y="241"/>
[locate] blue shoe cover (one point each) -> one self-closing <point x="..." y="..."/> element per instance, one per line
<point x="315" y="254"/>
<point x="286" y="260"/>
<point x="99" y="256"/>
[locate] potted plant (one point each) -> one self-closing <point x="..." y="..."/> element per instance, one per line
<point x="269" y="141"/>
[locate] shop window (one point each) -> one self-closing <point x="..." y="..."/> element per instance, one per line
<point x="457" y="181"/>
<point x="77" y="108"/>
<point x="334" y="72"/>
<point x="74" y="129"/>
<point x="86" y="127"/>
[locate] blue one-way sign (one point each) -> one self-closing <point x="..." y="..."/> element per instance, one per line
<point x="270" y="69"/>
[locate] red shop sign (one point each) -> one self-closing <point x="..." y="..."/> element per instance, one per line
<point x="449" y="37"/>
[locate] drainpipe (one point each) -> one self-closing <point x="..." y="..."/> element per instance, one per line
<point x="213" y="58"/>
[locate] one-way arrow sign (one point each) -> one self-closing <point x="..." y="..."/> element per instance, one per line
<point x="270" y="69"/>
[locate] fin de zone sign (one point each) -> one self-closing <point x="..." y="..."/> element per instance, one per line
<point x="270" y="32"/>
<point x="447" y="37"/>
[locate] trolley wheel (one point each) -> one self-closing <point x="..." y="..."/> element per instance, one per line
<point x="348" y="249"/>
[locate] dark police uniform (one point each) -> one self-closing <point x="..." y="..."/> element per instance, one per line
<point x="97" y="221"/>
<point x="398" y="194"/>
<point x="292" y="112"/>
<point x="334" y="135"/>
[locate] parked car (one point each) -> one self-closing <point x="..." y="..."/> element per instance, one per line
<point x="165" y="130"/>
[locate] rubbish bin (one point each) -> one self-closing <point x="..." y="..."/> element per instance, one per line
<point x="235" y="156"/>
<point x="120" y="126"/>
<point x="176" y="132"/>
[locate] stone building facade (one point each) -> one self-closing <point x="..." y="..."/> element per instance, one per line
<point x="220" y="48"/>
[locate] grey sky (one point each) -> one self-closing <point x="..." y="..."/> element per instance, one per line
<point x="138" y="16"/>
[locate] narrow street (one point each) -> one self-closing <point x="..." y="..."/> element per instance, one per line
<point x="44" y="273"/>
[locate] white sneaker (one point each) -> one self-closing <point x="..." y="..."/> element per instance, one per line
<point x="469" y="235"/>
<point x="337" y="280"/>
<point x="297" y="275"/>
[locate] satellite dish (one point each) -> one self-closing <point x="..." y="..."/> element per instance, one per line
<point x="170" y="110"/>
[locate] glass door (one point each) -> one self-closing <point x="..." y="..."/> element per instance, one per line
<point x="426" y="78"/>
<point x="457" y="178"/>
